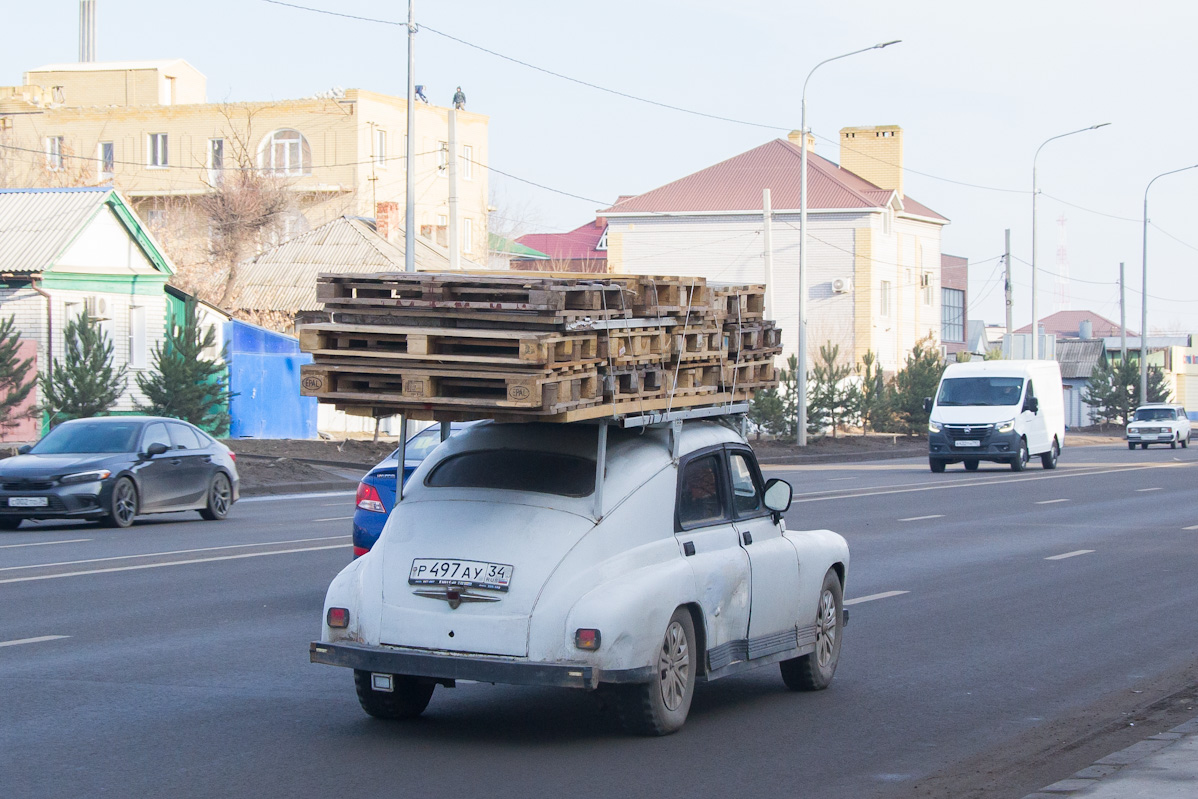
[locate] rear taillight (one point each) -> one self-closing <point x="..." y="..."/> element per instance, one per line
<point x="360" y="551"/>
<point x="368" y="499"/>
<point x="233" y="456"/>
<point x="338" y="617"/>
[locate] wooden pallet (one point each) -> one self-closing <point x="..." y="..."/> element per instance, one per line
<point x="494" y="347"/>
<point x="691" y="344"/>
<point x="667" y="296"/>
<point x="633" y="382"/>
<point x="546" y="391"/>
<point x="749" y="374"/>
<point x="688" y="380"/>
<point x="740" y="302"/>
<point x="635" y="345"/>
<point x="750" y="336"/>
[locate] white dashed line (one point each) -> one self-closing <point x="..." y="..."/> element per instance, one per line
<point x="922" y="518"/>
<point x="335" y="519"/>
<point x="45" y="543"/>
<point x="1155" y="488"/>
<point x="1050" y="501"/>
<point x="872" y="597"/>
<point x="1195" y="527"/>
<point x="841" y="479"/>
<point x="38" y="640"/>
<point x="1073" y="554"/>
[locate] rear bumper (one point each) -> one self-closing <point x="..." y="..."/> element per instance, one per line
<point x="394" y="660"/>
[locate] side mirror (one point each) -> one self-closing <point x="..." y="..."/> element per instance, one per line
<point x="157" y="448"/>
<point x="24" y="450"/>
<point x="778" y="494"/>
<point x="1032" y="404"/>
<point x="927" y="404"/>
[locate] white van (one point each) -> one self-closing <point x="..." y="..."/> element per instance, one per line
<point x="1002" y="411"/>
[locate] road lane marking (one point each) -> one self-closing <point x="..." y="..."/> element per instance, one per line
<point x="1050" y="501"/>
<point x="38" y="640"/>
<point x="872" y="597"/>
<point x="45" y="543"/>
<point x="316" y="495"/>
<point x="921" y="518"/>
<point x="1155" y="488"/>
<point x="1072" y="554"/>
<point x="335" y="519"/>
<point x="173" y="552"/>
<point x="1195" y="527"/>
<point x="168" y="563"/>
<point x="841" y="479"/>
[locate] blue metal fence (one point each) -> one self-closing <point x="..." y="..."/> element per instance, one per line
<point x="264" y="374"/>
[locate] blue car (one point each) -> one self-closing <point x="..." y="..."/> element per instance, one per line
<point x="376" y="492"/>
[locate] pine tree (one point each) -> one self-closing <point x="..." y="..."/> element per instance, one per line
<point x="85" y="384"/>
<point x="184" y="384"/>
<point x="919" y="378"/>
<point x="876" y="405"/>
<point x="15" y="380"/>
<point x="1158" y="388"/>
<point x="767" y="412"/>
<point x="835" y="399"/>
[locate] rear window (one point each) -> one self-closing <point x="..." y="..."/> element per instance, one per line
<point x="516" y="470"/>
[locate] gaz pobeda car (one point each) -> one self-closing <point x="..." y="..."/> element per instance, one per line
<point x="528" y="554"/>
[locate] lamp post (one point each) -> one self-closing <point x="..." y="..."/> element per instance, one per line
<point x="1144" y="289"/>
<point x="1035" y="271"/>
<point x="801" y="368"/>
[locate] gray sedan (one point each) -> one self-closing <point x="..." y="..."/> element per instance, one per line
<point x="114" y="468"/>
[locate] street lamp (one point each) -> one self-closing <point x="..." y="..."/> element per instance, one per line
<point x="801" y="369"/>
<point x="1144" y="290"/>
<point x="1035" y="272"/>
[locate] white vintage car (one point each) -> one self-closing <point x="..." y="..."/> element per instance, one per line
<point x="631" y="561"/>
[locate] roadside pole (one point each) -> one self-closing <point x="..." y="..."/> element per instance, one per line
<point x="1122" y="318"/>
<point x="1010" y="302"/>
<point x="768" y="234"/>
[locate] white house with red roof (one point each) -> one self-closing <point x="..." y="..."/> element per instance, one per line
<point x="580" y="250"/>
<point x="874" y="258"/>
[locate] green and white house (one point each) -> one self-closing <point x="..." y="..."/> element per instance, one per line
<point x="64" y="250"/>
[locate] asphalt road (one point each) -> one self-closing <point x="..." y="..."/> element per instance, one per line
<point x="1007" y="629"/>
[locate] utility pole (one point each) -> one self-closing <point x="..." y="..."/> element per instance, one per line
<point x="409" y="234"/>
<point x="768" y="234"/>
<point x="1122" y="317"/>
<point x="1010" y="302"/>
<point x="455" y="243"/>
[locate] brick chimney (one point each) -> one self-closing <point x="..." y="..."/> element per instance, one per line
<point x="874" y="153"/>
<point x="386" y="220"/>
<point x="795" y="137"/>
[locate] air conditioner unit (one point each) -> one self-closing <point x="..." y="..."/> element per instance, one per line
<point x="99" y="307"/>
<point x="842" y="285"/>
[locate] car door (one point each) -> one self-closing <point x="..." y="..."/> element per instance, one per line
<point x="709" y="541"/>
<point x="773" y="559"/>
<point x="193" y="465"/>
<point x="1035" y="429"/>
<point x="155" y="474"/>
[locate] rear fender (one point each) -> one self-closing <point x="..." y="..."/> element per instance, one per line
<point x="358" y="587"/>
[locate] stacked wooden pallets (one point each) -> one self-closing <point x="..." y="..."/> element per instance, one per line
<point x="446" y="347"/>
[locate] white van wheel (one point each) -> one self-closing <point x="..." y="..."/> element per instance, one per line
<point x="1021" y="459"/>
<point x="1049" y="459"/>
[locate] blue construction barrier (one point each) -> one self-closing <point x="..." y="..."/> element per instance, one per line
<point x="264" y="374"/>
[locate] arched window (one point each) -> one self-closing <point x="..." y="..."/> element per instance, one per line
<point x="285" y="153"/>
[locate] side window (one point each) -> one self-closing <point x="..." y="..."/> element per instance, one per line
<point x="183" y="437"/>
<point x="1031" y="394"/>
<point x="155" y="434"/>
<point x="746" y="494"/>
<point x="700" y="499"/>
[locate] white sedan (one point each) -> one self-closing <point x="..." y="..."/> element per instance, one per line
<point x="637" y="562"/>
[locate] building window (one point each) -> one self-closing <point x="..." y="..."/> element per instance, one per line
<point x="157" y="150"/>
<point x="54" y="153"/>
<point x="884" y="299"/>
<point x="925" y="283"/>
<point x="467" y="235"/>
<point x="886" y="222"/>
<point x="952" y="315"/>
<point x="138" y="345"/>
<point x="285" y="153"/>
<point x="106" y="158"/>
<point x="156" y="218"/>
<point x="380" y="148"/>
<point x="442" y="157"/>
<point x="467" y="162"/>
<point x="602" y="243"/>
<point x="216" y="161"/>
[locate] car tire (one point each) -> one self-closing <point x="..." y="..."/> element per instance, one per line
<point x="1173" y="443"/>
<point x="220" y="498"/>
<point x="1131" y="445"/>
<point x="407" y="701"/>
<point x="1143" y="446"/>
<point x="1185" y="442"/>
<point x="814" y="672"/>
<point x="1019" y="463"/>
<point x="122" y="504"/>
<point x="660" y="707"/>
<point x="10" y="524"/>
<point x="936" y="465"/>
<point x="971" y="465"/>
<point x="1049" y="459"/>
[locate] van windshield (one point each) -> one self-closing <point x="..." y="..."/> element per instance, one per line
<point x="980" y="391"/>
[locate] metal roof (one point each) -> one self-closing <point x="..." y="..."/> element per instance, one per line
<point x="1078" y="357"/>
<point x="36" y="225"/>
<point x="283" y="278"/>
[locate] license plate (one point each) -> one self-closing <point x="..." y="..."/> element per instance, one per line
<point x="476" y="573"/>
<point x="969" y="443"/>
<point x="27" y="502"/>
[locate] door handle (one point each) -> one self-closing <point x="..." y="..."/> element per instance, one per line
<point x="176" y="461"/>
<point x="747" y="537"/>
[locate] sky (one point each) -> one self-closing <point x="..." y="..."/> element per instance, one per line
<point x="976" y="87"/>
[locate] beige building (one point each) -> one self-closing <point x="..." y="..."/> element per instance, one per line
<point x="146" y="128"/>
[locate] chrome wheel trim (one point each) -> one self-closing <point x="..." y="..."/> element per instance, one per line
<point x="826" y="632"/>
<point x="674" y="666"/>
<point x="124" y="502"/>
<point x="220" y="495"/>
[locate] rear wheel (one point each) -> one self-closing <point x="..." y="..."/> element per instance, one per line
<point x="1049" y="459"/>
<point x="971" y="466"/>
<point x="1021" y="458"/>
<point x="814" y="672"/>
<point x="407" y="699"/>
<point x="660" y="707"/>
<point x="936" y="465"/>
<point x="9" y="524"/>
<point x="220" y="498"/>
<point x="1173" y="443"/>
<point x="122" y="504"/>
<point x="1185" y="442"/>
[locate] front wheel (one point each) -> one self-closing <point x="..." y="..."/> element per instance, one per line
<point x="407" y="699"/>
<point x="9" y="524"/>
<point x="936" y="465"/>
<point x="220" y="498"/>
<point x="814" y="672"/>
<point x="1131" y="445"/>
<point x="660" y="707"/>
<point x="122" y="504"/>
<point x="1049" y="459"/>
<point x="1021" y="458"/>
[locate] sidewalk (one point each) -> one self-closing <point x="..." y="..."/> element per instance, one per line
<point x="1164" y="766"/>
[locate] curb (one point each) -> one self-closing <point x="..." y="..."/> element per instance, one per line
<point x="1089" y="777"/>
<point x="310" y="461"/>
<point x="299" y="488"/>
